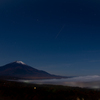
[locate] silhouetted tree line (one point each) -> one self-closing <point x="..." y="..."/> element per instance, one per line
<point x="25" y="91"/>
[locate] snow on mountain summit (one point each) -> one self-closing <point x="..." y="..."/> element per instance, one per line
<point x="20" y="62"/>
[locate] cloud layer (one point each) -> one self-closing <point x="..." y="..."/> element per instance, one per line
<point x="81" y="81"/>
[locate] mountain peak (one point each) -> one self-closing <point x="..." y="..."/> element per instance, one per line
<point x="20" y="70"/>
<point x="20" y="62"/>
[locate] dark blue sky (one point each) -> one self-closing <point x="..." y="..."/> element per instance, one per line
<point x="59" y="36"/>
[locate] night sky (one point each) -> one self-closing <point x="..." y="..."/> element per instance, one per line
<point x="61" y="37"/>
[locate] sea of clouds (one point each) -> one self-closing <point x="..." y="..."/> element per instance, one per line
<point x="81" y="81"/>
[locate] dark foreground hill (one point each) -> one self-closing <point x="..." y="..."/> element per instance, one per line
<point x="24" y="91"/>
<point x="19" y="70"/>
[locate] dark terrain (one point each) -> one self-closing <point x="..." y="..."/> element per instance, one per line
<point x="24" y="91"/>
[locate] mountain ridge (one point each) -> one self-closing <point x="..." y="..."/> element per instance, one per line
<point x="21" y="70"/>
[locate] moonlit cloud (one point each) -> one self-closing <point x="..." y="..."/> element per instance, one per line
<point x="81" y="81"/>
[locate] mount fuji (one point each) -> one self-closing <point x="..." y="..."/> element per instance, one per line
<point x="20" y="70"/>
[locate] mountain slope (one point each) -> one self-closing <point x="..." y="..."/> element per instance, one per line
<point x="21" y="70"/>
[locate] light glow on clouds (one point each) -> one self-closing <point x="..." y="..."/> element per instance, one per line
<point x="81" y="81"/>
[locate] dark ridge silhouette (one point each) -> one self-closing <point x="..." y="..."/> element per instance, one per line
<point x="10" y="90"/>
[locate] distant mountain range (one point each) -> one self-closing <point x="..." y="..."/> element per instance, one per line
<point x="19" y="70"/>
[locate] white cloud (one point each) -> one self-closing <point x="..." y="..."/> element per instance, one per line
<point x="81" y="81"/>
